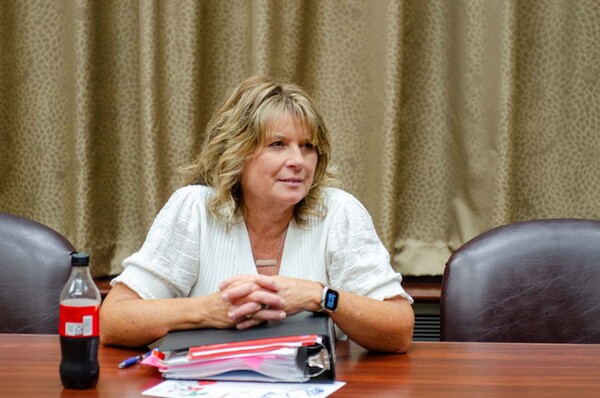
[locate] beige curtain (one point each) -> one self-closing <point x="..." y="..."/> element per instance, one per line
<point x="447" y="117"/>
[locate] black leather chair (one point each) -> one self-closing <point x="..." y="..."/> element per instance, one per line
<point x="35" y="265"/>
<point x="534" y="281"/>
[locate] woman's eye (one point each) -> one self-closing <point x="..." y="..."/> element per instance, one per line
<point x="308" y="146"/>
<point x="276" y="144"/>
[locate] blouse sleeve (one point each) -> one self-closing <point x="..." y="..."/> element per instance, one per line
<point x="167" y="263"/>
<point x="359" y="262"/>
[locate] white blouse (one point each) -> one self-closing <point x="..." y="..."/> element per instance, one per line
<point x="188" y="252"/>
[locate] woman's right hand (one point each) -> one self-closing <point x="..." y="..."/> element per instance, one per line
<point x="127" y="319"/>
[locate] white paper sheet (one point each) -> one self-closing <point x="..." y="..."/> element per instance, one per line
<point x="228" y="389"/>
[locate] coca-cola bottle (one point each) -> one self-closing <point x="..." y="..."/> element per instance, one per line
<point x="79" y="326"/>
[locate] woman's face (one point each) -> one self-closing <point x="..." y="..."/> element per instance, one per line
<point x="281" y="172"/>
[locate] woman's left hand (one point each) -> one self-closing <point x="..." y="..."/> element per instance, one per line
<point x="377" y="325"/>
<point x="253" y="301"/>
<point x="253" y="298"/>
<point x="299" y="294"/>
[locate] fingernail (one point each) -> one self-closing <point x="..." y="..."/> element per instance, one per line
<point x="225" y="297"/>
<point x="282" y="315"/>
<point x="231" y="315"/>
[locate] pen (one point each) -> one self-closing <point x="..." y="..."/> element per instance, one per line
<point x="132" y="361"/>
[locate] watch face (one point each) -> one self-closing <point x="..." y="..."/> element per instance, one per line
<point x="331" y="300"/>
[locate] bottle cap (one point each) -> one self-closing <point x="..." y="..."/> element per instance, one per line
<point x="80" y="259"/>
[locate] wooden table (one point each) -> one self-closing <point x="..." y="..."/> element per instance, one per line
<point x="29" y="367"/>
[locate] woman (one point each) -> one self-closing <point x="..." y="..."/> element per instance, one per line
<point x="259" y="234"/>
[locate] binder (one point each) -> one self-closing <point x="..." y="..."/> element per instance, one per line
<point x="317" y="360"/>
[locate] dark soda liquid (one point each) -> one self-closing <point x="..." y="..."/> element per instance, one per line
<point x="79" y="367"/>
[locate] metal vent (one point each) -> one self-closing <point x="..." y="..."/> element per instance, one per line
<point x="427" y="322"/>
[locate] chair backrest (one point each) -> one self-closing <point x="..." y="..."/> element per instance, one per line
<point x="35" y="265"/>
<point x="534" y="281"/>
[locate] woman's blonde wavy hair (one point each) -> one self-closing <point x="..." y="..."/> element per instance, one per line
<point x="239" y="128"/>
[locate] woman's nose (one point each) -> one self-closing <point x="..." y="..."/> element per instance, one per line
<point x="295" y="156"/>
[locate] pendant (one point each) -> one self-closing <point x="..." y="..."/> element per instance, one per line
<point x="265" y="263"/>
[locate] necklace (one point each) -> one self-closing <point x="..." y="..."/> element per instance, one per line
<point x="275" y="261"/>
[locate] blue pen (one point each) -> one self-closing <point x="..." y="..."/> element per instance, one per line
<point x="133" y="360"/>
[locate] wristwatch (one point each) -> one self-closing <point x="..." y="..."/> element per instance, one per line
<point x="329" y="300"/>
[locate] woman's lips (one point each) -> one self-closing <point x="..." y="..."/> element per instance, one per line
<point x="291" y="181"/>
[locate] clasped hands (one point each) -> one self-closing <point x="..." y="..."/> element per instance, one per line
<point x="253" y="299"/>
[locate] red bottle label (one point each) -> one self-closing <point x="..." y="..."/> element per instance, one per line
<point x="79" y="321"/>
